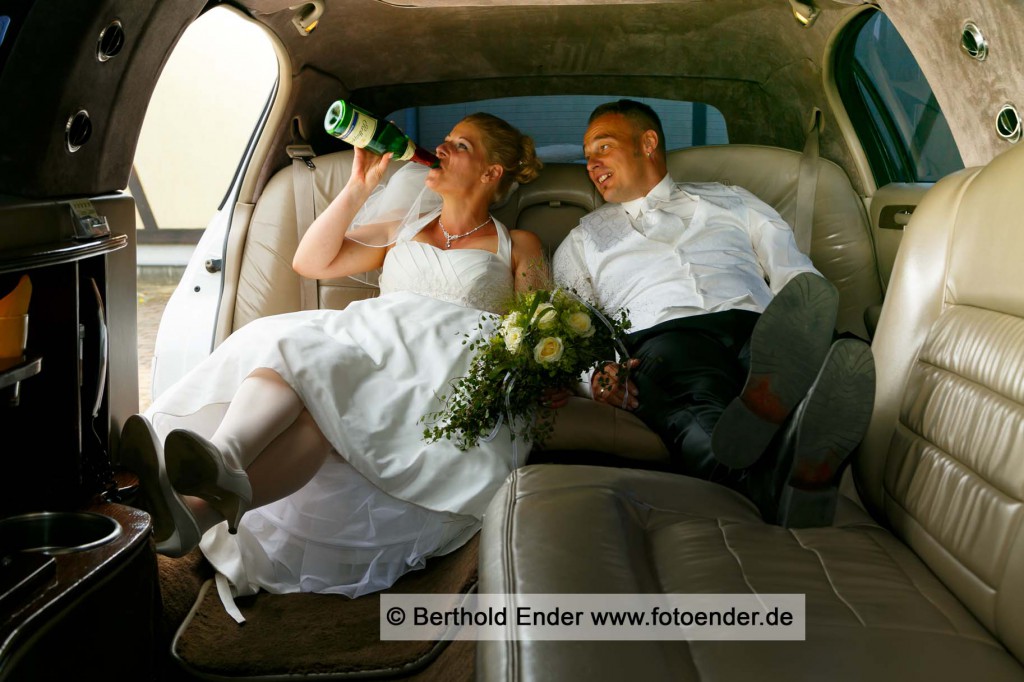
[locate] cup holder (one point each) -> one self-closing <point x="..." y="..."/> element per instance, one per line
<point x="56" y="532"/>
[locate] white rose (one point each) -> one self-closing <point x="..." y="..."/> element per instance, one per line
<point x="545" y="317"/>
<point x="548" y="350"/>
<point x="513" y="338"/>
<point x="580" y="324"/>
<point x="509" y="321"/>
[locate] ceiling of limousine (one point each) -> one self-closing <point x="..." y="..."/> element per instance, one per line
<point x="970" y="92"/>
<point x="749" y="58"/>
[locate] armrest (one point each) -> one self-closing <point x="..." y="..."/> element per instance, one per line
<point x="584" y="424"/>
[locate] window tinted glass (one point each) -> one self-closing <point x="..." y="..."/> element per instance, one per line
<point x="892" y="107"/>
<point x="557" y="123"/>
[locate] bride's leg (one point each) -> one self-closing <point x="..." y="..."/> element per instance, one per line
<point x="266" y="422"/>
<point x="284" y="466"/>
<point x="262" y="409"/>
<point x="289" y="462"/>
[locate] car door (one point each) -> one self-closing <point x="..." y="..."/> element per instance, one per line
<point x="195" y="151"/>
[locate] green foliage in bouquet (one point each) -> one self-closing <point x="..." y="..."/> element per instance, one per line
<point x="546" y="340"/>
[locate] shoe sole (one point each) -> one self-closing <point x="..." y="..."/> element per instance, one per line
<point x="169" y="514"/>
<point x="787" y="348"/>
<point x="832" y="424"/>
<point x="195" y="470"/>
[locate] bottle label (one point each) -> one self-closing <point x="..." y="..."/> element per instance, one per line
<point x="409" y="151"/>
<point x="360" y="130"/>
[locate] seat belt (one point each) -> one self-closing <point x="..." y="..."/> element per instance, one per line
<point x="303" y="170"/>
<point x="806" y="186"/>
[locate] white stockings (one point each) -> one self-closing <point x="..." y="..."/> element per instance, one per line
<point x="268" y="432"/>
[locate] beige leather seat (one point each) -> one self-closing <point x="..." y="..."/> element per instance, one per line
<point x="551" y="206"/>
<point x="932" y="587"/>
<point x="267" y="285"/>
<point x="841" y="246"/>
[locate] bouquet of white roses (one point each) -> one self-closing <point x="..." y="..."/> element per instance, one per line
<point x="545" y="341"/>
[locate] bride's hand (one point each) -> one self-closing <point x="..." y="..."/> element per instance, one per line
<point x="368" y="168"/>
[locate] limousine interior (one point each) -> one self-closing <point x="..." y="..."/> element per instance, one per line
<point x="884" y="132"/>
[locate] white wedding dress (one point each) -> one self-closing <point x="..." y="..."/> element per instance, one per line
<point x="388" y="499"/>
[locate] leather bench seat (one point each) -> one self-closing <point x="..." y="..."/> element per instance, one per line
<point x="873" y="609"/>
<point x="929" y="586"/>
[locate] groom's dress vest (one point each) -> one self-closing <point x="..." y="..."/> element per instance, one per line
<point x="693" y="249"/>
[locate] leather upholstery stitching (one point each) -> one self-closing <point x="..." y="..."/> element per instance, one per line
<point x="511" y="645"/>
<point x="828" y="576"/>
<point x="967" y="468"/>
<point x="739" y="562"/>
<point x="970" y="471"/>
<point x="906" y="512"/>
<point x="968" y="380"/>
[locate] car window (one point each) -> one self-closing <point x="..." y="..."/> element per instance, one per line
<point x="893" y="109"/>
<point x="206" y="104"/>
<point x="557" y="123"/>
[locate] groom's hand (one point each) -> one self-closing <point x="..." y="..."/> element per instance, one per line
<point x="555" y="398"/>
<point x="608" y="387"/>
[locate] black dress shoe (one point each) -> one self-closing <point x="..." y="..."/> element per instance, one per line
<point x="787" y="348"/>
<point x="798" y="487"/>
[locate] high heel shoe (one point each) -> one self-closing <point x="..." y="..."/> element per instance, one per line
<point x="175" y="529"/>
<point x="196" y="467"/>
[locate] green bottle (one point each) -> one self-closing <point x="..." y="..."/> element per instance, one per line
<point x="360" y="128"/>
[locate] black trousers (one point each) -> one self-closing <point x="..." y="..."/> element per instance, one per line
<point x="690" y="369"/>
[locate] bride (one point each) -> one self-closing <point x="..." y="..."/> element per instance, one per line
<point x="301" y="430"/>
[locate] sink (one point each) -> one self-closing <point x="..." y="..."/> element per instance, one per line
<point x="56" y="532"/>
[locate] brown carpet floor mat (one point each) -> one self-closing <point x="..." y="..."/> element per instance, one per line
<point x="325" y="636"/>
<point x="180" y="582"/>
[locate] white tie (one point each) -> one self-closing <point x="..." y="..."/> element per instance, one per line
<point x="660" y="225"/>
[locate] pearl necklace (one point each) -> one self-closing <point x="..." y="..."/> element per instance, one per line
<point x="449" y="237"/>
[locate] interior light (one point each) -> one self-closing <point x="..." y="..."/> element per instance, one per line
<point x="805" y="12"/>
<point x="307" y="16"/>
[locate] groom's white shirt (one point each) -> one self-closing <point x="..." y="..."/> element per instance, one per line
<point x="684" y="249"/>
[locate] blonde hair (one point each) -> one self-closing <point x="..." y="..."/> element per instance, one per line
<point x="509" y="148"/>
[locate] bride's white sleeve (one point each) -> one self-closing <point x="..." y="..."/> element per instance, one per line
<point x="570" y="270"/>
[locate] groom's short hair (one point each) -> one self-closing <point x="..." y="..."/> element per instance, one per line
<point x="638" y="113"/>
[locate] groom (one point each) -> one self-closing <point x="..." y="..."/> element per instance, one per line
<point x="732" y="364"/>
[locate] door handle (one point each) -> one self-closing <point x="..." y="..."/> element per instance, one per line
<point x="895" y="217"/>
